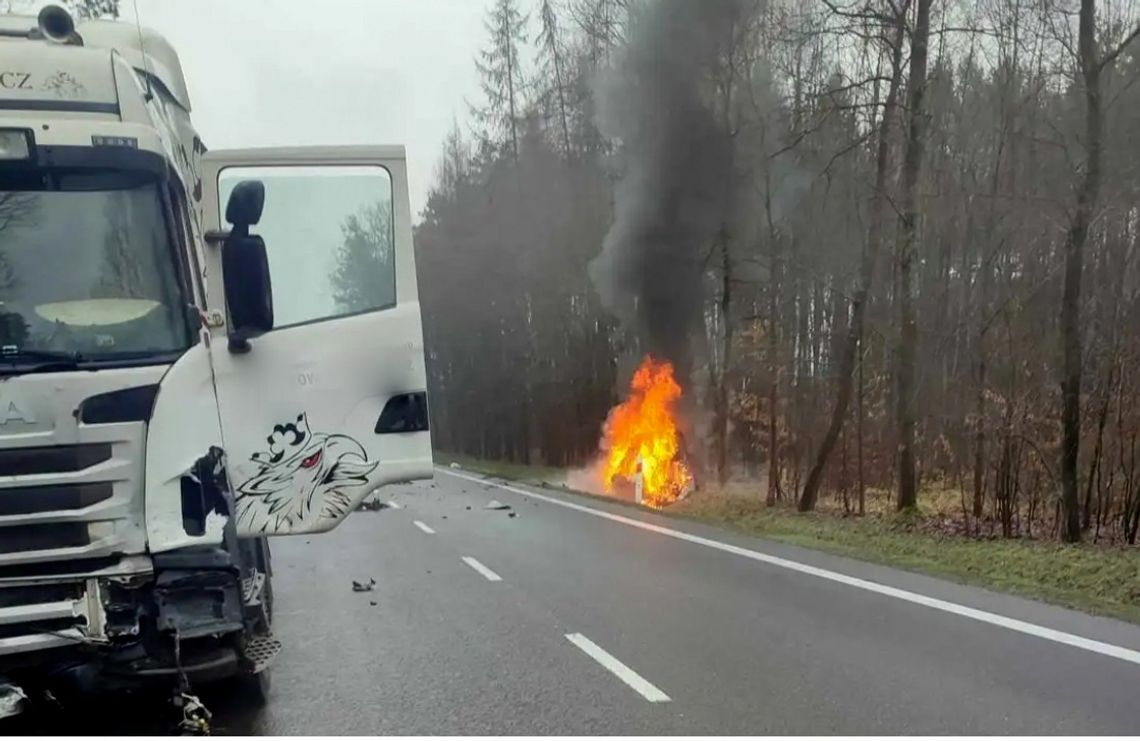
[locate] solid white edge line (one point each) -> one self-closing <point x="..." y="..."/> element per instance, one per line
<point x="423" y="527"/>
<point x="486" y="572"/>
<point x="639" y="683"/>
<point x="1020" y="626"/>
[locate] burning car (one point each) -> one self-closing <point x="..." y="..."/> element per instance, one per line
<point x="642" y="451"/>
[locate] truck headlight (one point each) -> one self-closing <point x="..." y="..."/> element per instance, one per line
<point x="15" y="144"/>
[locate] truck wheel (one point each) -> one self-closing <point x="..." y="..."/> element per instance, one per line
<point x="252" y="689"/>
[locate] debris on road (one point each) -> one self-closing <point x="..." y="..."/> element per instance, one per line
<point x="468" y="507"/>
<point x="512" y="514"/>
<point x="371" y="505"/>
<point x="496" y="504"/>
<point x="454" y="464"/>
<point x="195" y="720"/>
<point x="12" y="700"/>
<point x="360" y="587"/>
<point x="372" y="603"/>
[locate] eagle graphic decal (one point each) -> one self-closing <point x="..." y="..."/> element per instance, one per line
<point x="304" y="477"/>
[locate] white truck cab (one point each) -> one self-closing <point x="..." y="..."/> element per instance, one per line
<point x="198" y="350"/>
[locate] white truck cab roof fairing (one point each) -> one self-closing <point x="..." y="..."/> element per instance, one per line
<point x="127" y="79"/>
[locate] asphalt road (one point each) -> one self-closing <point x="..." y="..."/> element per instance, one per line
<point x="579" y="620"/>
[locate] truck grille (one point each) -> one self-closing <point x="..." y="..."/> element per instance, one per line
<point x="54" y="626"/>
<point x="14" y="596"/>
<point x="57" y="459"/>
<point x="45" y="537"/>
<point x="71" y="502"/>
<point x="75" y="567"/>
<point x="71" y="506"/>
<point x="36" y="499"/>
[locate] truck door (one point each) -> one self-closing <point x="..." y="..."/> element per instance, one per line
<point x="330" y="403"/>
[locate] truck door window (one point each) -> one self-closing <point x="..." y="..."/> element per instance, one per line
<point x="329" y="235"/>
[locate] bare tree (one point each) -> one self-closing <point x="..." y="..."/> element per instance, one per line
<point x="959" y="123"/>
<point x="894" y="33"/>
<point x="1091" y="63"/>
<point x="906" y="251"/>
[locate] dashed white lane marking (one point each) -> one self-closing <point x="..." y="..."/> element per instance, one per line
<point x="486" y="572"/>
<point x="639" y="683"/>
<point x="423" y="527"/>
<point x="1019" y="626"/>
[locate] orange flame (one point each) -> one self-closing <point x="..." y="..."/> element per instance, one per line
<point x="642" y="430"/>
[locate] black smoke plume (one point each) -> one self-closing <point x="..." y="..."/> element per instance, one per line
<point x="676" y="186"/>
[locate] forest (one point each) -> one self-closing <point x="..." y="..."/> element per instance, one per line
<point x="890" y="247"/>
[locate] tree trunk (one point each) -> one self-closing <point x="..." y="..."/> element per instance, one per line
<point x="1074" y="265"/>
<point x="1086" y="516"/>
<point x="859" y="434"/>
<point x="810" y="494"/>
<point x="773" y="362"/>
<point x="906" y="252"/>
<point x="562" y="102"/>
<point x="980" y="430"/>
<point x="511" y="102"/>
<point x="725" y="360"/>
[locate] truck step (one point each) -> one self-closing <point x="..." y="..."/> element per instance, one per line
<point x="252" y="587"/>
<point x="261" y="651"/>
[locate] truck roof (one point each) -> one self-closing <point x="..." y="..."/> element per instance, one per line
<point x="144" y="49"/>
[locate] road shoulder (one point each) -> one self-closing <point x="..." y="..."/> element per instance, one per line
<point x="1048" y="616"/>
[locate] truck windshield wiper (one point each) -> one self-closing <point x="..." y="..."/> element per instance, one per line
<point x="41" y="360"/>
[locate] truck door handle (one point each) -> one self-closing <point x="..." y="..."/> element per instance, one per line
<point x="404" y="413"/>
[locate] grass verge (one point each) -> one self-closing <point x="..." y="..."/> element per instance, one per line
<point x="1096" y="579"/>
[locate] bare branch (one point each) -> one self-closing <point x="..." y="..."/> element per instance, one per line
<point x="1109" y="58"/>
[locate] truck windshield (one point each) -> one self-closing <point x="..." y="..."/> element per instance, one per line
<point x="90" y="274"/>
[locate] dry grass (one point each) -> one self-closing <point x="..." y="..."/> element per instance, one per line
<point x="1098" y="579"/>
<point x="935" y="501"/>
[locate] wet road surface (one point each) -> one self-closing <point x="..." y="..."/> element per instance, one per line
<point x="582" y="617"/>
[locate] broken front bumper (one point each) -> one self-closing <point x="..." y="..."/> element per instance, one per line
<point x="119" y="627"/>
<point x="59" y="610"/>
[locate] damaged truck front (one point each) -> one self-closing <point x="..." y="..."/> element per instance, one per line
<point x="198" y="351"/>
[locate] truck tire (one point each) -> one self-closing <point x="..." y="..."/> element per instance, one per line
<point x="252" y="689"/>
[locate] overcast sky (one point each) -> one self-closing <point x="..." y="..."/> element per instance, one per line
<point x="281" y="72"/>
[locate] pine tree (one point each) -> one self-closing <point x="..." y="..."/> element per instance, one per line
<point x="502" y="78"/>
<point x="554" y="62"/>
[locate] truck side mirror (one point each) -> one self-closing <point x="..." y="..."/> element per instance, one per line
<point x="245" y="266"/>
<point x="247" y="200"/>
